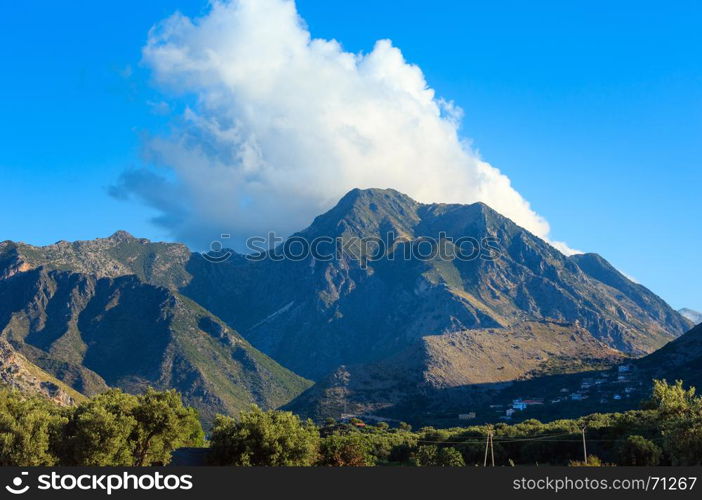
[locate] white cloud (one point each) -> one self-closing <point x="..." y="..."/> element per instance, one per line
<point x="281" y="125"/>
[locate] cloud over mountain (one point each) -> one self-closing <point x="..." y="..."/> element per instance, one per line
<point x="279" y="125"/>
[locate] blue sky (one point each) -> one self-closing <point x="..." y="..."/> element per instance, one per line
<point x="593" y="109"/>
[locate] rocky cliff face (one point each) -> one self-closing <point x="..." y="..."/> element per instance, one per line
<point x="18" y="372"/>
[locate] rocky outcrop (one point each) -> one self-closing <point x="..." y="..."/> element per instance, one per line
<point x="19" y="373"/>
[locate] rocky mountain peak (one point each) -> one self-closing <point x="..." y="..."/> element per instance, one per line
<point x="367" y="212"/>
<point x="121" y="235"/>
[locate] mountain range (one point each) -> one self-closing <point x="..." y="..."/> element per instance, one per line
<point x="355" y="332"/>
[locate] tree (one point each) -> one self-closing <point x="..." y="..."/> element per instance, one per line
<point x="426" y="456"/>
<point x="680" y="414"/>
<point x="346" y="450"/>
<point x="637" y="450"/>
<point x="382" y="426"/>
<point x="404" y="426"/>
<point x="29" y="430"/>
<point x="120" y="429"/>
<point x="261" y="438"/>
<point x="450" y="457"/>
<point x="672" y="400"/>
<point x="99" y="431"/>
<point x="162" y="425"/>
<point x="432" y="456"/>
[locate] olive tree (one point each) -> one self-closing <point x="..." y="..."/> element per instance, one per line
<point x="119" y="429"/>
<point x="261" y="438"/>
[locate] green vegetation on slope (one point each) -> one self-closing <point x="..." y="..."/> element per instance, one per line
<point x="668" y="430"/>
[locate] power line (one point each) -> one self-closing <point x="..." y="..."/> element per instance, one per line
<point x="505" y="439"/>
<point x="540" y="439"/>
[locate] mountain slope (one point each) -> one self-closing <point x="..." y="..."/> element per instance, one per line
<point x="457" y="364"/>
<point x="694" y="316"/>
<point x="621" y="388"/>
<point x="679" y="360"/>
<point x="120" y="332"/>
<point x="18" y="372"/>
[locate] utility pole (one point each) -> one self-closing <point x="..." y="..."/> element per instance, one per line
<point x="492" y="450"/>
<point x="584" y="447"/>
<point x="487" y="443"/>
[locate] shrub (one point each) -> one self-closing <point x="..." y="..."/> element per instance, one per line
<point x="432" y="456"/>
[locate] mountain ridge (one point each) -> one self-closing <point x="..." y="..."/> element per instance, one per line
<point x="314" y="316"/>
